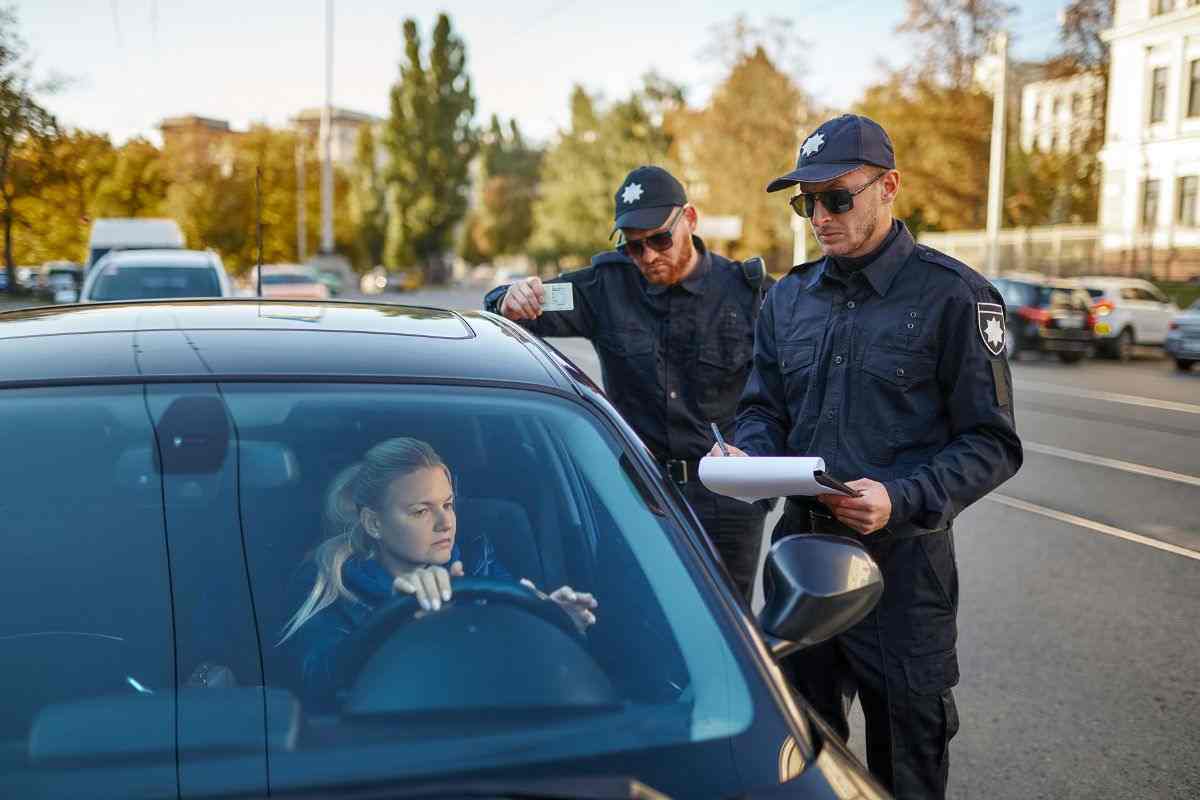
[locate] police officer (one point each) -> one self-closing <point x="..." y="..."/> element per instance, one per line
<point x="673" y="325"/>
<point x="885" y="358"/>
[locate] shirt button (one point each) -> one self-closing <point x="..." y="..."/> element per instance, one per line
<point x="911" y="326"/>
<point x="912" y="314"/>
<point x="673" y="395"/>
<point x="850" y="304"/>
<point x="899" y="372"/>
<point x="838" y="360"/>
<point x="829" y="415"/>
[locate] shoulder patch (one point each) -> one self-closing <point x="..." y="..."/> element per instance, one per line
<point x="990" y="319"/>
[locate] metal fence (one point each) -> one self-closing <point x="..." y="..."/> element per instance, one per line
<point x="1070" y="250"/>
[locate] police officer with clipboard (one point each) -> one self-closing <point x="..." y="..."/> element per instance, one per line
<point x="673" y="325"/>
<point x="886" y="358"/>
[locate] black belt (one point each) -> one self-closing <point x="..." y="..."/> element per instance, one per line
<point x="680" y="470"/>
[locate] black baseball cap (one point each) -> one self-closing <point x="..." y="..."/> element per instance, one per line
<point x="839" y="146"/>
<point x="646" y="197"/>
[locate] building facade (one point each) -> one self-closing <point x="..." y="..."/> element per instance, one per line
<point x="1150" y="195"/>
<point x="1058" y="114"/>
<point x="345" y="126"/>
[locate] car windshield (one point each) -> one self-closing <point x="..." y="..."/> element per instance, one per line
<point x="143" y="283"/>
<point x="1057" y="297"/>
<point x="359" y="688"/>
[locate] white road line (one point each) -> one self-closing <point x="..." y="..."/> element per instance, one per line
<point x="1112" y="463"/>
<point x="1111" y="397"/>
<point x="1098" y="527"/>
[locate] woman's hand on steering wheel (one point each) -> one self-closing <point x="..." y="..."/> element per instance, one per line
<point x="430" y="584"/>
<point x="580" y="606"/>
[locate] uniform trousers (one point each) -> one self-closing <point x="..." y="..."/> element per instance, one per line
<point x="735" y="529"/>
<point x="900" y="661"/>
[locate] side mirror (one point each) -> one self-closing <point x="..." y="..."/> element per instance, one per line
<point x="816" y="587"/>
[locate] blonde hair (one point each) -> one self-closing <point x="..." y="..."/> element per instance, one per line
<point x="361" y="485"/>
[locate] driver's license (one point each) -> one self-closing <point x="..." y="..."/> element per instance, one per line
<point x="559" y="297"/>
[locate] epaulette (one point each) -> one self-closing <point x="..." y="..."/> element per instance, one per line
<point x="796" y="270"/>
<point x="609" y="257"/>
<point x="968" y="275"/>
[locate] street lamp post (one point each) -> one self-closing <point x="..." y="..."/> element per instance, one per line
<point x="996" y="171"/>
<point x="327" y="139"/>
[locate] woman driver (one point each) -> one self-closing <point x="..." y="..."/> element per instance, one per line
<point x="396" y="534"/>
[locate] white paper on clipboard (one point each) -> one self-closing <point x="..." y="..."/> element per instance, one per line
<point x="755" y="478"/>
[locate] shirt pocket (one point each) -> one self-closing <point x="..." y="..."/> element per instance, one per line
<point x="627" y="356"/>
<point x="723" y="363"/>
<point x="796" y="359"/>
<point x="894" y="401"/>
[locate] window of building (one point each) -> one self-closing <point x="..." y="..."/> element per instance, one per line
<point x="1189" y="188"/>
<point x="1057" y="106"/>
<point x="1194" y="87"/>
<point x="1149" y="203"/>
<point x="1163" y="6"/>
<point x="1076" y="104"/>
<point x="1158" y="94"/>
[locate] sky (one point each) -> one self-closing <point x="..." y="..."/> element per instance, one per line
<point x="130" y="63"/>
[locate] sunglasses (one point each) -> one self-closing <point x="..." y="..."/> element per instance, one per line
<point x="658" y="242"/>
<point x="836" y="201"/>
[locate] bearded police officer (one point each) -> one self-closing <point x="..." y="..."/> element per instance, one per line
<point x="673" y="325"/>
<point x="885" y="358"/>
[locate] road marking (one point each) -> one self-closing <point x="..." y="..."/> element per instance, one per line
<point x="1098" y="527"/>
<point x="1112" y="463"/>
<point x="1111" y="397"/>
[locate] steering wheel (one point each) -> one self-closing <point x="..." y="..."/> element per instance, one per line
<point x="402" y="610"/>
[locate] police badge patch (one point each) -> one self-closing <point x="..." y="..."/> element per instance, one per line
<point x="991" y="326"/>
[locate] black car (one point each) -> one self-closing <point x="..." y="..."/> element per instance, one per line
<point x="168" y="471"/>
<point x="1047" y="315"/>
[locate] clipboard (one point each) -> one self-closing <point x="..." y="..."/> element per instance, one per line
<point x="823" y="478"/>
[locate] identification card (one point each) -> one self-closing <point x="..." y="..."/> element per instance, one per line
<point x="559" y="297"/>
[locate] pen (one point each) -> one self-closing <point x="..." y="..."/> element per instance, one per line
<point x="720" y="439"/>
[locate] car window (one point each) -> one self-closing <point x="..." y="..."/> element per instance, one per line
<point x="1130" y="293"/>
<point x="1095" y="294"/>
<point x="541" y="491"/>
<point x="1058" y="297"/>
<point x="286" y="278"/>
<point x="143" y="283"/>
<point x="87" y="655"/>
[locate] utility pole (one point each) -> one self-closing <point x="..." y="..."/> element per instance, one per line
<point x="301" y="204"/>
<point x="327" y="139"/>
<point x="996" y="171"/>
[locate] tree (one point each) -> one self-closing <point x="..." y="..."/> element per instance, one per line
<point x="729" y="161"/>
<point x="366" y="202"/>
<point x="952" y="35"/>
<point x="26" y="129"/>
<point x="430" y="140"/>
<point x="502" y="220"/>
<point x="137" y="184"/>
<point x="573" y="212"/>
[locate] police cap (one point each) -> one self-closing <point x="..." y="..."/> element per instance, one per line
<point x="646" y="197"/>
<point x="839" y="146"/>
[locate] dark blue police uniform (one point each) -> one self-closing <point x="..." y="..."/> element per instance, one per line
<point x="889" y="367"/>
<point x="673" y="358"/>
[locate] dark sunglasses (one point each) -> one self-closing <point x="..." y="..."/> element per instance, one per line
<point x="658" y="242"/>
<point x="836" y="201"/>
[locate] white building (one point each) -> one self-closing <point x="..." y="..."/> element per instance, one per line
<point x="345" y="127"/>
<point x="1151" y="156"/>
<point x="1058" y="114"/>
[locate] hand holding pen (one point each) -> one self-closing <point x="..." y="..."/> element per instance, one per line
<point x="721" y="448"/>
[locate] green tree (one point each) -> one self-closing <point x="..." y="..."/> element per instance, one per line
<point x="430" y="141"/>
<point x="26" y="131"/>
<point x="581" y="171"/>
<point x="502" y="219"/>
<point x="368" y="212"/>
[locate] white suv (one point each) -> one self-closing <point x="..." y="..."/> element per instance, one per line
<point x="1128" y="312"/>
<point x="155" y="274"/>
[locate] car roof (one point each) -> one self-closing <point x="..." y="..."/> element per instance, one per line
<point x="1041" y="280"/>
<point x="118" y="231"/>
<point x="1108" y="280"/>
<point x="244" y="339"/>
<point x="160" y="258"/>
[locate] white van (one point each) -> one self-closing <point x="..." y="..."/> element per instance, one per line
<point x="132" y="234"/>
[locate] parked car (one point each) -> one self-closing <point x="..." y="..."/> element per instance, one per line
<point x="1128" y="312"/>
<point x="290" y="282"/>
<point x="333" y="281"/>
<point x="173" y="464"/>
<point x="116" y="233"/>
<point x="1183" y="337"/>
<point x="1046" y="315"/>
<point x="379" y="280"/>
<point x="59" y="281"/>
<point x="154" y="274"/>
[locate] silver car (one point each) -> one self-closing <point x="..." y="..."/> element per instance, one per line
<point x="1183" y="337"/>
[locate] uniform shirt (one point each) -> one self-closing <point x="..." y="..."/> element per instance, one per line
<point x="884" y="372"/>
<point x="673" y="358"/>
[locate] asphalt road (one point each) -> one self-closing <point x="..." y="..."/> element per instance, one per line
<point x="1080" y="588"/>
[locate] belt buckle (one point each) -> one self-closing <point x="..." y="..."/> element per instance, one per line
<point x="677" y="470"/>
